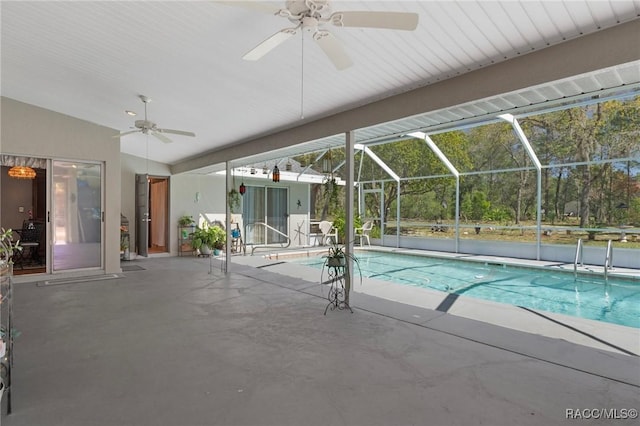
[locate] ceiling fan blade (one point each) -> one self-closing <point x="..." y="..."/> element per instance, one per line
<point x="176" y="132"/>
<point x="161" y="137"/>
<point x="269" y="44"/>
<point x="390" y="20"/>
<point x="261" y="6"/>
<point x="333" y="49"/>
<point x="126" y="133"/>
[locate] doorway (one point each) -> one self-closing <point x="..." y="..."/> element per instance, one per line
<point x="158" y="214"/>
<point x="152" y="214"/>
<point x="23" y="204"/>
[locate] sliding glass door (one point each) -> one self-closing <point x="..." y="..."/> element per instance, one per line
<point x="277" y="216"/>
<point x="265" y="206"/>
<point x="76" y="222"/>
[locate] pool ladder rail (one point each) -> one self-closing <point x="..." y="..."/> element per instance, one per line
<point x="608" y="259"/>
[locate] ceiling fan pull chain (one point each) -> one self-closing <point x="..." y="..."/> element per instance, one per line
<point x="302" y="76"/>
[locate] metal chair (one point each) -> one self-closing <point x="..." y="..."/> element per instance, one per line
<point x="30" y="238"/>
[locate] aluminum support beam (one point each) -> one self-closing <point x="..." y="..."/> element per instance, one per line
<point x="534" y="159"/>
<point x="378" y="161"/>
<point x="431" y="144"/>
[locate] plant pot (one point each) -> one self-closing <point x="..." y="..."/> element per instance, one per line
<point x="336" y="261"/>
<point x="205" y="250"/>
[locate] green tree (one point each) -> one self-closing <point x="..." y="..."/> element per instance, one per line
<point x="412" y="159"/>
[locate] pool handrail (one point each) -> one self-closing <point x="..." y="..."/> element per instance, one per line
<point x="577" y="258"/>
<point x="608" y="259"/>
<point x="281" y="245"/>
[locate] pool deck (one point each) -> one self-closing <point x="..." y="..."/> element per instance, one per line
<point x="596" y="334"/>
<point x="175" y="341"/>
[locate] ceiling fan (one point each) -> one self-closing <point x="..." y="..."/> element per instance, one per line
<point x="149" y="127"/>
<point x="311" y="15"/>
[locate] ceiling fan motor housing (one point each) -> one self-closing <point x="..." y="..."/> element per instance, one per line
<point x="301" y="8"/>
<point x="144" y="124"/>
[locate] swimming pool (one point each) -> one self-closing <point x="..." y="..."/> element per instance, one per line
<point x="617" y="302"/>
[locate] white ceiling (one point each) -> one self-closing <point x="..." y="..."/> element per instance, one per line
<point x="92" y="59"/>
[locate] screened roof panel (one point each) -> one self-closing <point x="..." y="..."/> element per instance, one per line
<point x="546" y="96"/>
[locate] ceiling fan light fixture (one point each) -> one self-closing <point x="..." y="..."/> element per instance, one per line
<point x="22" y="172"/>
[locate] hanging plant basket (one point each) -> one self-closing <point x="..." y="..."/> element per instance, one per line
<point x="233" y="198"/>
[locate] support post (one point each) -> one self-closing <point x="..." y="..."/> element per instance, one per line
<point x="349" y="150"/>
<point x="227" y="224"/>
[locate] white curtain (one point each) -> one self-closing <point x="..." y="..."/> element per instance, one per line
<point x="158" y="207"/>
<point x="14" y="160"/>
<point x="277" y="213"/>
<point x="253" y="211"/>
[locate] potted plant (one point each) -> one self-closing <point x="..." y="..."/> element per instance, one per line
<point x="339" y="223"/>
<point x="337" y="258"/>
<point x="186" y="220"/>
<point x="7" y="248"/>
<point x="233" y="198"/>
<point x="219" y="238"/>
<point x="202" y="240"/>
<point x="206" y="238"/>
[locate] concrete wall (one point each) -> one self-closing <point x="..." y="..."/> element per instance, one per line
<point x="31" y="131"/>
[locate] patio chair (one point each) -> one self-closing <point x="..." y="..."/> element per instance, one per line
<point x="236" y="240"/>
<point x="30" y="240"/>
<point x="363" y="232"/>
<point x="328" y="232"/>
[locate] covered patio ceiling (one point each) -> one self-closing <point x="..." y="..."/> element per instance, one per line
<point x="465" y="62"/>
<point x="613" y="83"/>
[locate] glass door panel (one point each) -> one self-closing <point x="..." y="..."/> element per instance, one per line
<point x="77" y="215"/>
<point x="277" y="216"/>
<point x="253" y="210"/>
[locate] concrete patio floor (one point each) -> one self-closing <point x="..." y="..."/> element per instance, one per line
<point x="172" y="344"/>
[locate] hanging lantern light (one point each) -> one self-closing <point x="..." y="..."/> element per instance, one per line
<point x="287" y="166"/>
<point x="276" y="174"/>
<point x="242" y="189"/>
<point x="253" y="170"/>
<point x="22" y="172"/>
<point x="265" y="170"/>
<point x="326" y="163"/>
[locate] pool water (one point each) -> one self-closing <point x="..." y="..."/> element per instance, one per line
<point x="617" y="301"/>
